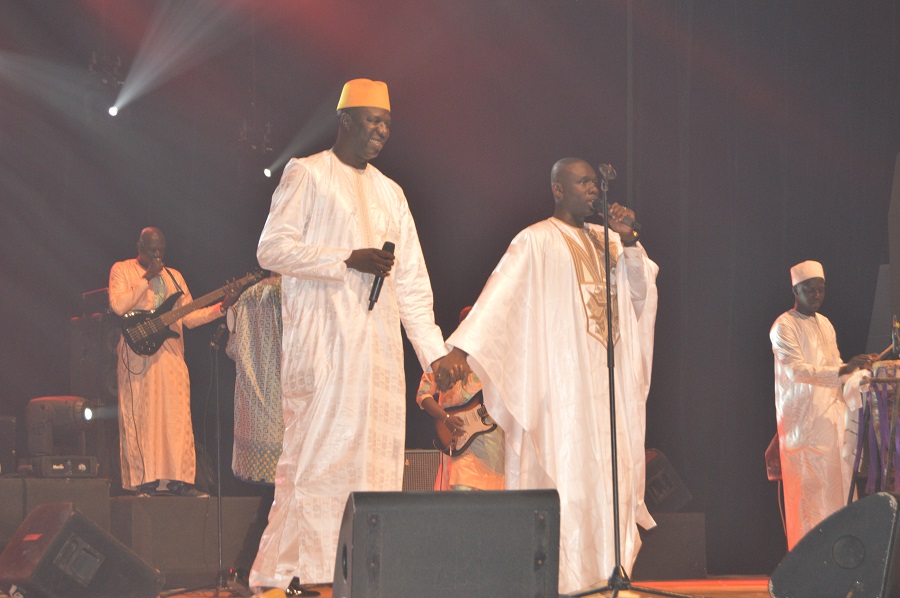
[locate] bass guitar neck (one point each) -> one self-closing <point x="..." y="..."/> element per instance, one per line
<point x="145" y="331"/>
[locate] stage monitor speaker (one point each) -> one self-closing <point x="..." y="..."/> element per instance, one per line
<point x="849" y="554"/>
<point x="58" y="553"/>
<point x="448" y="544"/>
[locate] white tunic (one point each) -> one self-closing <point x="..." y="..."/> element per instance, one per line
<point x="343" y="381"/>
<point x="156" y="438"/>
<point x="537" y="339"/>
<point x="812" y="418"/>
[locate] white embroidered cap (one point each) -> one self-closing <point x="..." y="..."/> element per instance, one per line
<point x="805" y="271"/>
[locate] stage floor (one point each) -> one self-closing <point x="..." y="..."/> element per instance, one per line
<point x="730" y="587"/>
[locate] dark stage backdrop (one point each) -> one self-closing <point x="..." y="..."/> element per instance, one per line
<point x="748" y="136"/>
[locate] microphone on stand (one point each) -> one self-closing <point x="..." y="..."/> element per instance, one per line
<point x="608" y="172"/>
<point x="217" y="336"/>
<point x="379" y="280"/>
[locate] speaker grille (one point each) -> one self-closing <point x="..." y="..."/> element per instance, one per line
<point x="420" y="469"/>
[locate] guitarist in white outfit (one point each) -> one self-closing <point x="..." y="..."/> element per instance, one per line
<point x="155" y="431"/>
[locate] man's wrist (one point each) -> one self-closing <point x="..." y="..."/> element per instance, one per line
<point x="632" y="240"/>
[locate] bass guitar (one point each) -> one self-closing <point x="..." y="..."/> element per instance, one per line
<point x="476" y="421"/>
<point x="145" y="331"/>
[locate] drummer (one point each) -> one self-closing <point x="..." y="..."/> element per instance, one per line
<point x="809" y="406"/>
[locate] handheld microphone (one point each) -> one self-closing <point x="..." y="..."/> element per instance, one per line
<point x="597" y="204"/>
<point x="608" y="172"/>
<point x="217" y="336"/>
<point x="379" y="280"/>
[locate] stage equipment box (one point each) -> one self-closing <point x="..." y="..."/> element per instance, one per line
<point x="674" y="549"/>
<point x="73" y="466"/>
<point x="178" y="535"/>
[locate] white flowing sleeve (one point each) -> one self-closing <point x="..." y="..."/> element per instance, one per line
<point x="415" y="299"/>
<point x="788" y="351"/>
<point x="202" y="316"/>
<point x="638" y="269"/>
<point x="282" y="247"/>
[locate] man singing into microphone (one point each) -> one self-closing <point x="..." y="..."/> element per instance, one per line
<point x="537" y="339"/>
<point x="155" y="432"/>
<point x="343" y="381"/>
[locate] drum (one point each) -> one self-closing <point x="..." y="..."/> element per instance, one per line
<point x="882" y="430"/>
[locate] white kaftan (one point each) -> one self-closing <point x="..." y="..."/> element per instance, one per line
<point x="342" y="375"/>
<point x="156" y="438"/>
<point x="812" y="420"/>
<point x="537" y="339"/>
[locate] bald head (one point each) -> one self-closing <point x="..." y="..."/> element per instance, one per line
<point x="151" y="246"/>
<point x="149" y="233"/>
<point x="574" y="186"/>
<point x="562" y="165"/>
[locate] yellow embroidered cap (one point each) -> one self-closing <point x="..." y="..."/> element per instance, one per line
<point x="364" y="92"/>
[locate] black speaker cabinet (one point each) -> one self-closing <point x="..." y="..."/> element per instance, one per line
<point x="59" y="553"/>
<point x="7" y="445"/>
<point x="92" y="367"/>
<point x="851" y="553"/>
<point x="449" y="544"/>
<point x="92" y="355"/>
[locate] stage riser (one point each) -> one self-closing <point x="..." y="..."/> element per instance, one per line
<point x="18" y="496"/>
<point x="178" y="535"/>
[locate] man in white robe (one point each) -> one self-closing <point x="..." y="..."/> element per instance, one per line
<point x="343" y="381"/>
<point x="537" y="339"/>
<point x="809" y="406"/>
<point x="156" y="436"/>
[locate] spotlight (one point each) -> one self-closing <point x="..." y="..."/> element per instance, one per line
<point x="56" y="443"/>
<point x="113" y="110"/>
<point x="267" y="172"/>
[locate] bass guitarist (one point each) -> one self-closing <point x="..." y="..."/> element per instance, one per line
<point x="156" y="436"/>
<point x="474" y="459"/>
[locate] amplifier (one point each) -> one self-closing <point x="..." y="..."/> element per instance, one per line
<point x="74" y="466"/>
<point x="420" y="469"/>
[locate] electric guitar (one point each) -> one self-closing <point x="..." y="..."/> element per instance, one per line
<point x="145" y="331"/>
<point x="476" y="421"/>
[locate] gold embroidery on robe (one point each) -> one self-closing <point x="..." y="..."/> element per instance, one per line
<point x="588" y="258"/>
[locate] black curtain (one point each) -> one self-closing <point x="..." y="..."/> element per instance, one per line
<point x="748" y="136"/>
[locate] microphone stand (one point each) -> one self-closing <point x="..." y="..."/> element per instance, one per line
<point x="618" y="579"/>
<point x="223" y="586"/>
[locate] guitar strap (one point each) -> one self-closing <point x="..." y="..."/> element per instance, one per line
<point x="177" y="286"/>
